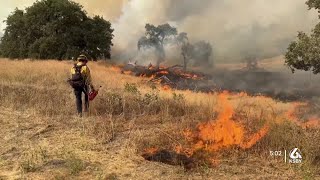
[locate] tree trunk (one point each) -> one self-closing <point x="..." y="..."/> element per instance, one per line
<point x="185" y="63"/>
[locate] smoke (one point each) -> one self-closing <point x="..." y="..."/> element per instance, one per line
<point x="109" y="9"/>
<point x="129" y="27"/>
<point x="239" y="29"/>
<point x="236" y="29"/>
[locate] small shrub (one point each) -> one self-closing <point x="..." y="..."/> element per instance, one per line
<point x="75" y="165"/>
<point x="109" y="103"/>
<point x="282" y="136"/>
<point x="178" y="97"/>
<point x="33" y="160"/>
<point x="131" y="88"/>
<point x="154" y="87"/>
<point x="150" y="98"/>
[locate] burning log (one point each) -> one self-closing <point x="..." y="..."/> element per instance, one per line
<point x="174" y="77"/>
<point x="252" y="80"/>
<point x="164" y="81"/>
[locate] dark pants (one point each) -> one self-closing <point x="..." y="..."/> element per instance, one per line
<point x="78" y="92"/>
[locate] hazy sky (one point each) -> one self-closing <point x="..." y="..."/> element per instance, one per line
<point x="99" y="7"/>
<point x="236" y="28"/>
<point x="8" y="6"/>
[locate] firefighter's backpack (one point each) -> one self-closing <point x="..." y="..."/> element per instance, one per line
<point x="77" y="80"/>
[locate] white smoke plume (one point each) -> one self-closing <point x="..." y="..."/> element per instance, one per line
<point x="236" y="29"/>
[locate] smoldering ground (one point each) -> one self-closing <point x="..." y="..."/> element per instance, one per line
<point x="267" y="79"/>
<point x="281" y="85"/>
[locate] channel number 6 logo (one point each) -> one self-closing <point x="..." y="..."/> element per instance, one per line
<point x="295" y="156"/>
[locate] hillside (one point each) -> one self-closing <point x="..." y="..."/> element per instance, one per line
<point x="43" y="139"/>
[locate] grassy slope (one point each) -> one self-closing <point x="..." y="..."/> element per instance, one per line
<point x="42" y="139"/>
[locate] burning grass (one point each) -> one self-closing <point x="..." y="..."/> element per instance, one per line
<point x="207" y="142"/>
<point x="186" y="128"/>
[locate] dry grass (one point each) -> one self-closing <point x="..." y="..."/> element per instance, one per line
<point x="44" y="140"/>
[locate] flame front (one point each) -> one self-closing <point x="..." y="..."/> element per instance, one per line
<point x="293" y="115"/>
<point x="221" y="133"/>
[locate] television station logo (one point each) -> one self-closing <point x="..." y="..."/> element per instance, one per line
<point x="295" y="156"/>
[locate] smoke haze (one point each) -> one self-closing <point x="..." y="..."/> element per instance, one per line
<point x="236" y="29"/>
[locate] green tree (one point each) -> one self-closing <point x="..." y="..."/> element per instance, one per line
<point x="157" y="38"/>
<point x="304" y="53"/>
<point x="55" y="29"/>
<point x="182" y="38"/>
<point x="98" y="38"/>
<point x="12" y="43"/>
<point x="200" y="52"/>
<point x="187" y="50"/>
<point x="313" y="4"/>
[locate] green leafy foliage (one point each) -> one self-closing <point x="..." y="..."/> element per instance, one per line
<point x="303" y="53"/>
<point x="55" y="29"/>
<point x="157" y="37"/>
<point x="178" y="97"/>
<point x="313" y="4"/>
<point x="131" y="88"/>
<point x="199" y="52"/>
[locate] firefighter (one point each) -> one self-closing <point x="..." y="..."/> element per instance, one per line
<point x="81" y="82"/>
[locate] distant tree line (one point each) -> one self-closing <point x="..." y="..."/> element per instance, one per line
<point x="158" y="37"/>
<point x="55" y="29"/>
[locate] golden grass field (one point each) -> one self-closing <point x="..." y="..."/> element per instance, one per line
<point x="42" y="138"/>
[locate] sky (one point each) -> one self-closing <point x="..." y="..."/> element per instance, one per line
<point x="95" y="7"/>
<point x="236" y="29"/>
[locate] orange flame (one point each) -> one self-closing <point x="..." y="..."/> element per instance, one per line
<point x="166" y="87"/>
<point x="222" y="133"/>
<point x="312" y="123"/>
<point x="255" y="137"/>
<point x="152" y="150"/>
<point x="190" y="75"/>
<point x="115" y="68"/>
<point x="163" y="72"/>
<point x="127" y="72"/>
<point x="213" y="136"/>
